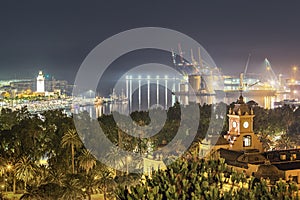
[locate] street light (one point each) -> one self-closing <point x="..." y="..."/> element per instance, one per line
<point x="294" y="71"/>
<point x="295" y="68"/>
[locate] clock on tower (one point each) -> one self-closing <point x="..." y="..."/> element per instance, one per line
<point x="240" y="133"/>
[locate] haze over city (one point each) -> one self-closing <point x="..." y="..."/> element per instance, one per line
<point x="56" y="36"/>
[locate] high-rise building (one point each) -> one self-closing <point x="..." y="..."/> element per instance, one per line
<point x="40" y="82"/>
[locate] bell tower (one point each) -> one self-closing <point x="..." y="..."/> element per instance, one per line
<point x="240" y="134"/>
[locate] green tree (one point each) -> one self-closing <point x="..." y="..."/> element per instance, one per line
<point x="72" y="140"/>
<point x="72" y="189"/>
<point x="25" y="170"/>
<point x="105" y="181"/>
<point x="199" y="179"/>
<point x="284" y="142"/>
<point x="86" y="160"/>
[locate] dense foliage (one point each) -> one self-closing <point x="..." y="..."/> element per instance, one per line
<point x="282" y="122"/>
<point x="199" y="179"/>
<point x="43" y="156"/>
<point x="70" y="170"/>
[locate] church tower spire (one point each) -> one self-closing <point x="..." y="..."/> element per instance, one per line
<point x="240" y="133"/>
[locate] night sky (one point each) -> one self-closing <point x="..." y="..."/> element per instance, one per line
<point x="55" y="36"/>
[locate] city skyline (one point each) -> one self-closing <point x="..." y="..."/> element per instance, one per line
<point x="55" y="37"/>
<point x="149" y="100"/>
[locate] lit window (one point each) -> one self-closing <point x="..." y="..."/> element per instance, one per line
<point x="247" y="141"/>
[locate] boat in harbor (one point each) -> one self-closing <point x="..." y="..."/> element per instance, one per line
<point x="122" y="98"/>
<point x="119" y="99"/>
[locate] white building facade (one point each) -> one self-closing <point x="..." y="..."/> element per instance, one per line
<point x="40" y="82"/>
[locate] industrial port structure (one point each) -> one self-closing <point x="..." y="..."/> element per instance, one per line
<point x="203" y="82"/>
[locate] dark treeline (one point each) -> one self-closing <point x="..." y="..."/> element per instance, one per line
<point x="70" y="170"/>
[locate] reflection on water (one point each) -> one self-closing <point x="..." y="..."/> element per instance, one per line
<point x="96" y="111"/>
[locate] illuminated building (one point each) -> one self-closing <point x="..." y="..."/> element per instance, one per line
<point x="40" y="83"/>
<point x="40" y="86"/>
<point x="240" y="135"/>
<point x="243" y="151"/>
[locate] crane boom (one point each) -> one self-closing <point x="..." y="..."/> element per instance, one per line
<point x="180" y="53"/>
<point x="271" y="74"/>
<point x="200" y="59"/>
<point x="247" y="63"/>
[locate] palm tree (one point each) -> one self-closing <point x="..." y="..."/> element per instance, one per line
<point x="46" y="191"/>
<point x="105" y="180"/>
<point x="89" y="180"/>
<point x="25" y="170"/>
<point x="56" y="176"/>
<point x="42" y="173"/>
<point x="72" y="189"/>
<point x="71" y="139"/>
<point x="3" y="166"/>
<point x="86" y="160"/>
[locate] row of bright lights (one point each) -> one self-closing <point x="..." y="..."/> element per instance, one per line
<point x="149" y="77"/>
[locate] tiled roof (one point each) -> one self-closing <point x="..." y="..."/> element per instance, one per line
<point x="231" y="157"/>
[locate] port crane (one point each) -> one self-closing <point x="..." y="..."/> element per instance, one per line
<point x="195" y="66"/>
<point x="201" y="66"/>
<point x="271" y="76"/>
<point x="243" y="86"/>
